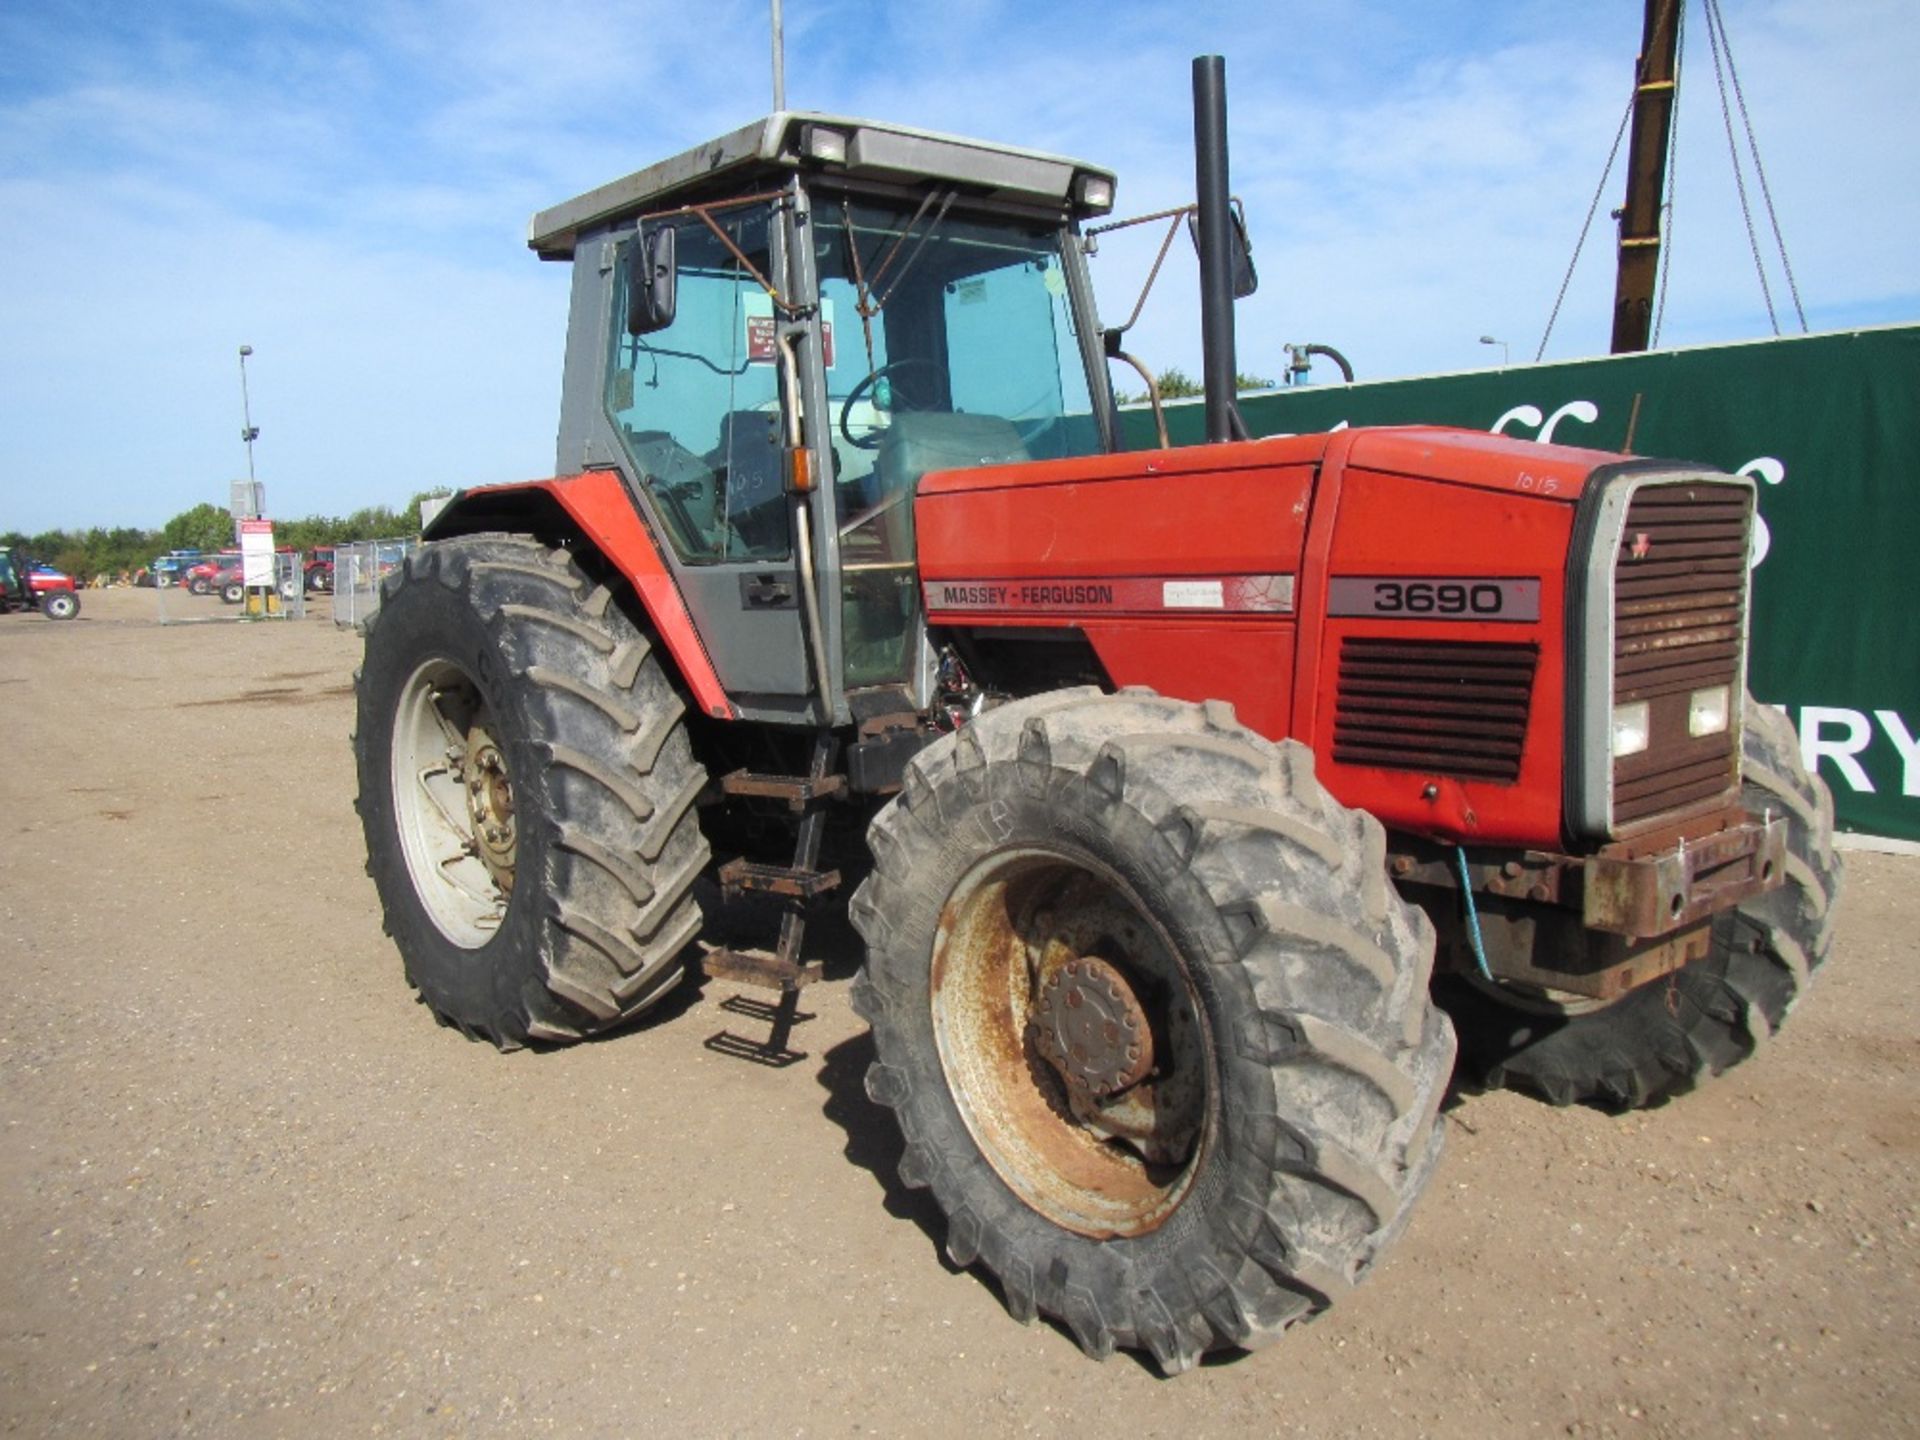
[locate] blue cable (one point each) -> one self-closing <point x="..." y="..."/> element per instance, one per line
<point x="1473" y="914"/>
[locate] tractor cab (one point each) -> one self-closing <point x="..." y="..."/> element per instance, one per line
<point x="776" y="335"/>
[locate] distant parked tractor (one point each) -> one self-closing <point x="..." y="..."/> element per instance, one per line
<point x="28" y="585"/>
<point x="318" y="570"/>
<point x="200" y="578"/>
<point x="1166" y="767"/>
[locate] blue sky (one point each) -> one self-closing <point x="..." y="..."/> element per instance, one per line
<point x="345" y="186"/>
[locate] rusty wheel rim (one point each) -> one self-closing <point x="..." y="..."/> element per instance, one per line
<point x="453" y="804"/>
<point x="1073" y="1041"/>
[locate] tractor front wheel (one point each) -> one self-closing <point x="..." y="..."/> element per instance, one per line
<point x="60" y="605"/>
<point x="1670" y="1035"/>
<point x="527" y="790"/>
<point x="1154" y="1026"/>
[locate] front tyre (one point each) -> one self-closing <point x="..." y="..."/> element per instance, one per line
<point x="60" y="605"/>
<point x="1154" y="1026"/>
<point x="527" y="792"/>
<point x="1672" y="1034"/>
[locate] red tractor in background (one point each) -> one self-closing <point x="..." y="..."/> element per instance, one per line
<point x="1184" y="781"/>
<point x="28" y="585"/>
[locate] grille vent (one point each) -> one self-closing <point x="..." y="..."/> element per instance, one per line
<point x="1442" y="706"/>
<point x="1680" y="603"/>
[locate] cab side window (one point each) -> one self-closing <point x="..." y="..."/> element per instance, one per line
<point x="697" y="405"/>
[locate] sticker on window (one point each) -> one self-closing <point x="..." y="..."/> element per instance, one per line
<point x="757" y="305"/>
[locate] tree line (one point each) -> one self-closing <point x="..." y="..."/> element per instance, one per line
<point x="120" y="549"/>
<point x="1173" y="383"/>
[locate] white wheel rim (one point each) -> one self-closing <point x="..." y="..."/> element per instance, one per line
<point x="439" y="708"/>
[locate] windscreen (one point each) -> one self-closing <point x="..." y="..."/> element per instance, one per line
<point x="950" y="342"/>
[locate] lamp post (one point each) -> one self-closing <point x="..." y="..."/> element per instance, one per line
<point x="1490" y="340"/>
<point x="249" y="432"/>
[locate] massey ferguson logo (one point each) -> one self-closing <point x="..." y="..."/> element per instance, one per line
<point x="1641" y="546"/>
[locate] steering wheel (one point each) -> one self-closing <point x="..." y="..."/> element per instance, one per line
<point x="872" y="441"/>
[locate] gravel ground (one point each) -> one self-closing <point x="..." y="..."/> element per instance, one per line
<point x="249" y="1187"/>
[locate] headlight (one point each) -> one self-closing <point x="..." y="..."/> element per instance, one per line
<point x="1096" y="192"/>
<point x="1630" y="724"/>
<point x="1707" y="711"/>
<point x="827" y="146"/>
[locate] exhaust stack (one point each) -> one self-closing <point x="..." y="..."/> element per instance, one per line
<point x="1219" y="365"/>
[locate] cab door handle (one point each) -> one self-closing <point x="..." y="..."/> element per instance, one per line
<point x="766" y="592"/>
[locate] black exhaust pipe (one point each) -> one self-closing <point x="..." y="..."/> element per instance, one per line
<point x="1218" y="362"/>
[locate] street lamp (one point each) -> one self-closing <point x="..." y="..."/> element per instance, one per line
<point x="249" y="432"/>
<point x="1489" y="340"/>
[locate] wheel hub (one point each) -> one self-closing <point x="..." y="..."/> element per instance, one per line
<point x="489" y="792"/>
<point x="1091" y="1028"/>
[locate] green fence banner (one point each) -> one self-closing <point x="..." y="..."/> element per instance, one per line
<point x="1829" y="427"/>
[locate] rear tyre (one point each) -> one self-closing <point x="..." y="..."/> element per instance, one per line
<point x="527" y="790"/>
<point x="1154" y="1026"/>
<point x="233" y="592"/>
<point x="1672" y="1034"/>
<point x="60" y="605"/>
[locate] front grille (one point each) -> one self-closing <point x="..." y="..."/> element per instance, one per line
<point x="1680" y="604"/>
<point x="1446" y="707"/>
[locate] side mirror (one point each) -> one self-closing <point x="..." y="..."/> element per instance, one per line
<point x="1245" y="279"/>
<point x="650" y="281"/>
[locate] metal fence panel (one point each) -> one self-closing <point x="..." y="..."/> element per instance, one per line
<point x="357" y="571"/>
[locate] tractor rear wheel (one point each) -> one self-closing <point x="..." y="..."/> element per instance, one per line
<point x="527" y="791"/>
<point x="1154" y="1026"/>
<point x="1672" y="1034"/>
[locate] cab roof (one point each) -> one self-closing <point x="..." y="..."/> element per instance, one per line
<point x="790" y="139"/>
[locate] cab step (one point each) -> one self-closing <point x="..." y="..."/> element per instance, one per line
<point x="797" y="884"/>
<point x="801" y="792"/>
<point x="750" y="967"/>
<point x="749" y="877"/>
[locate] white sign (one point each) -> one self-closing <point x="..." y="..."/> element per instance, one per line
<point x="256" y="553"/>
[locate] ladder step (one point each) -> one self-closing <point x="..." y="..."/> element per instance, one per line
<point x="738" y="877"/>
<point x="767" y="971"/>
<point x="799" y="791"/>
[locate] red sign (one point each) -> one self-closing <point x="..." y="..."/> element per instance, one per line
<point x="760" y="339"/>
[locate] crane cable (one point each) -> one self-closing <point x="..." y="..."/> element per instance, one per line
<point x="1739" y="173"/>
<point x="1718" y="39"/>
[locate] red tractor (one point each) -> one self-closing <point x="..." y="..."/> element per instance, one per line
<point x="28" y="585"/>
<point x="1185" y="781"/>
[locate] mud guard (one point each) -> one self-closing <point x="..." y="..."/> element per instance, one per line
<point x="596" y="504"/>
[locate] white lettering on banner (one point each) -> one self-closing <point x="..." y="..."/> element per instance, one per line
<point x="1843" y="749"/>
<point x="1815" y="746"/>
<point x="1908" y="747"/>
<point x="1770" y="470"/>
<point x="1585" y="411"/>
